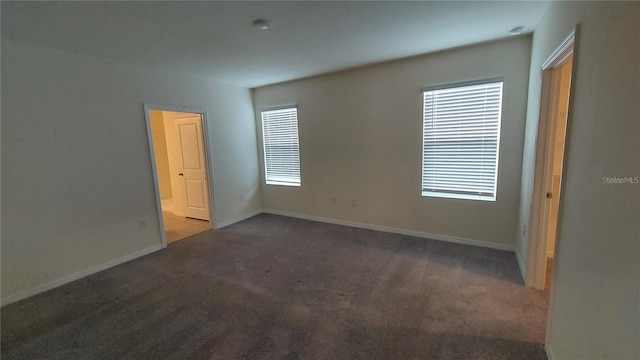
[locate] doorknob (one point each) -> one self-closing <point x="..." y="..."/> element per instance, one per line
<point x="180" y="174"/>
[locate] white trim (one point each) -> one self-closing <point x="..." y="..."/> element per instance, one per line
<point x="281" y="107"/>
<point x="440" y="185"/>
<point x="561" y="53"/>
<point x="287" y="179"/>
<point x="546" y="132"/>
<point x="463" y="83"/>
<point x="109" y="264"/>
<point x="537" y="240"/>
<point x="523" y="270"/>
<point x="471" y="197"/>
<point x="549" y="352"/>
<point x="207" y="154"/>
<point x="154" y="174"/>
<point x="167" y="204"/>
<point x="238" y="219"/>
<point x="73" y="277"/>
<point x="447" y="238"/>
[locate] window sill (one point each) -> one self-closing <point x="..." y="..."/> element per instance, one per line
<point x="458" y="196"/>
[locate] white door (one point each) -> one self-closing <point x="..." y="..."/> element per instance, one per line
<point x="193" y="172"/>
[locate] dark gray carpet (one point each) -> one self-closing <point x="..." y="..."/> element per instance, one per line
<point x="279" y="288"/>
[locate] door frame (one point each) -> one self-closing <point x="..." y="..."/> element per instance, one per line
<point x="205" y="134"/>
<point x="540" y="207"/>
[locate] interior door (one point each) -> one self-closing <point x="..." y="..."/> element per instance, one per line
<point x="193" y="166"/>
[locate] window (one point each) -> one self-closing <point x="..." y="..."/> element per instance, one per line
<point x="461" y="136"/>
<point x="281" y="147"/>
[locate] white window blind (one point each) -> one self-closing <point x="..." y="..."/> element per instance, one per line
<point x="281" y="146"/>
<point x="461" y="137"/>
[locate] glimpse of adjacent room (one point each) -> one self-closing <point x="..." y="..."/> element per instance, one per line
<point x="181" y="173"/>
<point x="560" y="123"/>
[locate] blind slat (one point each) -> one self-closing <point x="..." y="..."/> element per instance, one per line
<point x="461" y="133"/>
<point x="281" y="146"/>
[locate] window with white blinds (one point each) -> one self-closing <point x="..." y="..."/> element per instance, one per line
<point x="461" y="137"/>
<point x="281" y="146"/>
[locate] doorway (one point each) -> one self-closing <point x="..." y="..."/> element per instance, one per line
<point x="552" y="133"/>
<point x="179" y="155"/>
<point x="561" y="80"/>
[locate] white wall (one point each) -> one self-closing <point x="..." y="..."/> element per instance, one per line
<point x="361" y="137"/>
<point x="77" y="176"/>
<point x="553" y="29"/>
<point x="595" y="296"/>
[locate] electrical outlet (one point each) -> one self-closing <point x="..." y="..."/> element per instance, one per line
<point x="334" y="200"/>
<point x="353" y="202"/>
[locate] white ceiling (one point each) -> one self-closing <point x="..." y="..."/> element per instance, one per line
<point x="217" y="40"/>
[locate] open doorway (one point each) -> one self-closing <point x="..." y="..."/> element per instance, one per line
<point x="561" y="80"/>
<point x="179" y="155"/>
<point x="552" y="133"/>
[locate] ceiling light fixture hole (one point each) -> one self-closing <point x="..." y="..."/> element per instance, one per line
<point x="516" y="30"/>
<point x="261" y="24"/>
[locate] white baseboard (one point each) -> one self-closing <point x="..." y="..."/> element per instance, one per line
<point x="238" y="219"/>
<point x="167" y="205"/>
<point x="69" y="278"/>
<point x="523" y="271"/>
<point x="393" y="230"/>
<point x="549" y="352"/>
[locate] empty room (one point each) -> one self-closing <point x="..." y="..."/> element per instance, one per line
<point x="347" y="180"/>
